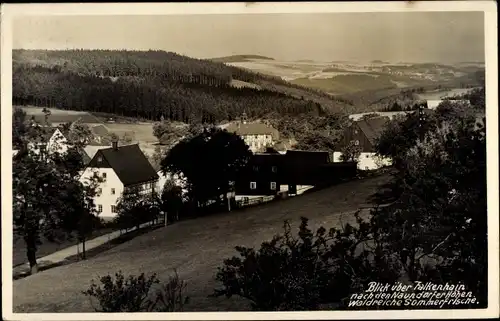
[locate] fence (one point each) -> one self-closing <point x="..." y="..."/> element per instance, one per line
<point x="246" y="201"/>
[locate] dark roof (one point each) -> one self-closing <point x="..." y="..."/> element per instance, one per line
<point x="307" y="157"/>
<point x="254" y="128"/>
<point x="373" y="127"/>
<point x="128" y="162"/>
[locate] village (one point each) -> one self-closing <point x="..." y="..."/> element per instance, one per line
<point x="272" y="172"/>
<point x="247" y="162"/>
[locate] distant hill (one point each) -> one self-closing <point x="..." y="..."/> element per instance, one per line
<point x="154" y="84"/>
<point x="239" y="58"/>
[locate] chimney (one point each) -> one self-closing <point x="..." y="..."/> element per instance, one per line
<point x="114" y="144"/>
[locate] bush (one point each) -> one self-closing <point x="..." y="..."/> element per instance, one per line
<point x="133" y="294"/>
<point x="300" y="274"/>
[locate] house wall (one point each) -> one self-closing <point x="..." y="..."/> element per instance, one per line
<point x="261" y="170"/>
<point x="432" y="104"/>
<point x="258" y="142"/>
<point x="367" y="161"/>
<point x="106" y="197"/>
<point x="58" y="143"/>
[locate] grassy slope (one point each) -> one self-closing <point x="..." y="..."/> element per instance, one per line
<point x="344" y="84"/>
<point x="195" y="247"/>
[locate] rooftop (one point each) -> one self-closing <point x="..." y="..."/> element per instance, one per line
<point x="254" y="128"/>
<point x="373" y="127"/>
<point x="129" y="163"/>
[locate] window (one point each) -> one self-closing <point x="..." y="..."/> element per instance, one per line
<point x="273" y="186"/>
<point x="99" y="208"/>
<point x="367" y="155"/>
<point x="113" y="191"/>
<point x="253" y="185"/>
<point x="356" y="142"/>
<point x="355" y="131"/>
<point x="99" y="159"/>
<point x="256" y="168"/>
<point x="274" y="169"/>
<point x="113" y="208"/>
<point x="99" y="191"/>
<point x="104" y="176"/>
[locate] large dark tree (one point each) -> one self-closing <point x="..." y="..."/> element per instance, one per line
<point x="209" y="161"/>
<point x="48" y="197"/>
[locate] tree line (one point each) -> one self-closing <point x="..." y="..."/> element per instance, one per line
<point x="148" y="98"/>
<point x="151" y="84"/>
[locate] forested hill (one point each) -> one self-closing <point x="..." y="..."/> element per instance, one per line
<point x="152" y="84"/>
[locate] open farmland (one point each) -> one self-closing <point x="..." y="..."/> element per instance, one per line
<point x="194" y="247"/>
<point x="142" y="132"/>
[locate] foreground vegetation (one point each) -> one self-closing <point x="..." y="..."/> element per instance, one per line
<point x="433" y="231"/>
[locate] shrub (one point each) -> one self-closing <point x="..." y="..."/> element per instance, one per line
<point x="171" y="296"/>
<point x="133" y="294"/>
<point x="299" y="274"/>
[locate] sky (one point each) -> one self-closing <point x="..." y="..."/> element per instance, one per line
<point x="394" y="37"/>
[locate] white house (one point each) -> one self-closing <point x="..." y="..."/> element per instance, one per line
<point x="123" y="169"/>
<point x="364" y="134"/>
<point x="52" y="141"/>
<point x="256" y="135"/>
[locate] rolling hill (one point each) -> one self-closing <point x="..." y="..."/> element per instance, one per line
<point x="240" y="58"/>
<point x="154" y="84"/>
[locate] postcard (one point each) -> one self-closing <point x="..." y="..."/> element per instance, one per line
<point x="244" y="161"/>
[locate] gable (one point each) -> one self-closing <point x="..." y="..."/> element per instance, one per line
<point x="99" y="161"/>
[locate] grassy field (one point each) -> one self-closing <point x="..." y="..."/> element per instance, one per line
<point x="142" y="132"/>
<point x="194" y="247"/>
<point x="19" y="249"/>
<point x="349" y="83"/>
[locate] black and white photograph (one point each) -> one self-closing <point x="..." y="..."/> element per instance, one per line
<point x="249" y="160"/>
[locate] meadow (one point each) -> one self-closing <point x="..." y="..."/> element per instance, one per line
<point x="195" y="248"/>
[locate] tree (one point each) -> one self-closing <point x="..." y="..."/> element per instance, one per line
<point x="222" y="156"/>
<point x="87" y="221"/>
<point x="350" y="152"/>
<point x="373" y="115"/>
<point x="402" y="133"/>
<point x="19" y="124"/>
<point x="171" y="199"/>
<point x="47" y="197"/>
<point x="156" y="158"/>
<point x="134" y="209"/>
<point x="46" y="112"/>
<point x="79" y="135"/>
<point x="127" y="138"/>
<point x="167" y="133"/>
